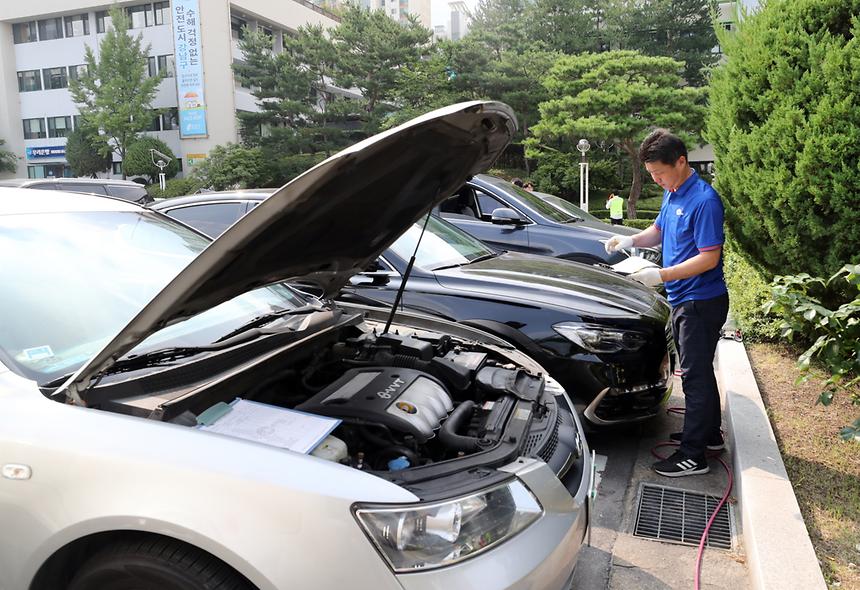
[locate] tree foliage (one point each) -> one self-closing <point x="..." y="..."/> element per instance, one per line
<point x="83" y="155"/>
<point x="232" y="166"/>
<point x="114" y="95"/>
<point x="680" y="29"/>
<point x="8" y="160"/>
<point x="785" y="127"/>
<point x="614" y="99"/>
<point x="138" y="160"/>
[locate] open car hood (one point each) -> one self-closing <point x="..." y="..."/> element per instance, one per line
<point x="329" y="223"/>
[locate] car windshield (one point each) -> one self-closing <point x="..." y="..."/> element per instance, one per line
<point x="535" y="202"/>
<point x="73" y="280"/>
<point x="442" y="245"/>
<point x="567" y="207"/>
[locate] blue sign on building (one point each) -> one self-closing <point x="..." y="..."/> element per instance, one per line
<point x="48" y="151"/>
<point x="189" y="68"/>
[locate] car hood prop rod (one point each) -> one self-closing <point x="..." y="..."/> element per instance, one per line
<point x="406" y="275"/>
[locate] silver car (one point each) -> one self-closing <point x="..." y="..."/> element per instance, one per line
<point x="175" y="416"/>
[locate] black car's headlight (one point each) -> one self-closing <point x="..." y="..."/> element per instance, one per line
<point x="426" y="536"/>
<point x="594" y="338"/>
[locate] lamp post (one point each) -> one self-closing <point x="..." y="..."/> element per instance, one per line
<point x="161" y="163"/>
<point x="583" y="146"/>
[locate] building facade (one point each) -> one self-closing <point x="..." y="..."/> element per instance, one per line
<point x="195" y="42"/>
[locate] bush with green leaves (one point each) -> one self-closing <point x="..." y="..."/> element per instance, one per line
<point x="83" y="154"/>
<point x="139" y="162"/>
<point x="232" y="166"/>
<point x="827" y="314"/>
<point x="175" y="187"/>
<point x="748" y="291"/>
<point x="8" y="160"/>
<point x="785" y="127"/>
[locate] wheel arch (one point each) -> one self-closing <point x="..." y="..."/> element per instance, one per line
<point x="59" y="569"/>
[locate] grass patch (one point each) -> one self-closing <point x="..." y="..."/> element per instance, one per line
<point x="824" y="470"/>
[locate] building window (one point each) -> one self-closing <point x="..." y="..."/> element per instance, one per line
<point x="76" y="119"/>
<point x="77" y="72"/>
<point x="55" y="78"/>
<point x="151" y="66"/>
<point x="116" y="167"/>
<point x="29" y="80"/>
<point x="166" y="65"/>
<point x="237" y="27"/>
<point x="102" y="21"/>
<point x="34" y="129"/>
<point x="141" y="16"/>
<point x="78" y="25"/>
<point x="162" y="12"/>
<point x="170" y="119"/>
<point x="24" y="32"/>
<point x="50" y="28"/>
<point x="59" y="126"/>
<point x="154" y="124"/>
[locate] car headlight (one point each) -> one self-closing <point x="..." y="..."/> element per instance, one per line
<point x="426" y="536"/>
<point x="594" y="338"/>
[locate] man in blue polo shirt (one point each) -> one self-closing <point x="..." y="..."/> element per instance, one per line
<point x="690" y="229"/>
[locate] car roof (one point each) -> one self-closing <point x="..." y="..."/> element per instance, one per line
<point x="256" y="194"/>
<point x="24" y="182"/>
<point x="19" y="201"/>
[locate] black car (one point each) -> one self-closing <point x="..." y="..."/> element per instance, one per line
<point x="508" y="217"/>
<point x="602" y="336"/>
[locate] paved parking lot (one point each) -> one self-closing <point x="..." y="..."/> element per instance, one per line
<point x="619" y="561"/>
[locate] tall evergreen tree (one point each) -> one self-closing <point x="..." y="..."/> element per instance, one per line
<point x="115" y="94"/>
<point x="615" y="98"/>
<point x="83" y="155"/>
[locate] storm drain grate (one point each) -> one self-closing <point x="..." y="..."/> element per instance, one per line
<point x="680" y="516"/>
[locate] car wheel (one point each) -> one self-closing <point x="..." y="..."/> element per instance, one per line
<point x="156" y="564"/>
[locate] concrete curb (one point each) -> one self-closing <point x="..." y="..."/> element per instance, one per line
<point x="779" y="552"/>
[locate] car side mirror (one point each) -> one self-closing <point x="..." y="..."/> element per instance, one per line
<point x="377" y="277"/>
<point x="506" y="216"/>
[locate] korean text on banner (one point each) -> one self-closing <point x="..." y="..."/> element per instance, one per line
<point x="189" y="68"/>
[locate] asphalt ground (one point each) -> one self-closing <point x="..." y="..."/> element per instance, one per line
<point x="619" y="561"/>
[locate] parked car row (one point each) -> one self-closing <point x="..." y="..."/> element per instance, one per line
<point x="177" y="415"/>
<point x="603" y="337"/>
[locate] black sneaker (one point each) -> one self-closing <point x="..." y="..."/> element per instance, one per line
<point x="679" y="465"/>
<point x="716" y="445"/>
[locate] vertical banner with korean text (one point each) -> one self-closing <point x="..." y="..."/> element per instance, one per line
<point x="189" y="68"/>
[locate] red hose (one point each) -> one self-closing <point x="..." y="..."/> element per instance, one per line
<point x="715" y="455"/>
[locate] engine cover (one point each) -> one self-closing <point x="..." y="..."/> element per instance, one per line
<point x="405" y="400"/>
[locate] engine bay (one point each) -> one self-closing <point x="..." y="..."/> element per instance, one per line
<point x="409" y="407"/>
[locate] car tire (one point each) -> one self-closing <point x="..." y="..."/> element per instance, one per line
<point x="156" y="563"/>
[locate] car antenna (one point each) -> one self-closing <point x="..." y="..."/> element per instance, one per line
<point x="406" y="275"/>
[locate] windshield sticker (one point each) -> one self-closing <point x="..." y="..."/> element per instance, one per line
<point x="38" y="353"/>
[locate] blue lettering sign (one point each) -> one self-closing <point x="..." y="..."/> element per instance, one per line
<point x="47" y="151"/>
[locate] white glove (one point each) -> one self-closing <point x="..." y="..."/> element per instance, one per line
<point x="616" y="243"/>
<point x="650" y="277"/>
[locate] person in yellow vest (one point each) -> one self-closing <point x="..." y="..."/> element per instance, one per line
<point x="615" y="204"/>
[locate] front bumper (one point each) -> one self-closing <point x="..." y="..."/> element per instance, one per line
<point x="543" y="556"/>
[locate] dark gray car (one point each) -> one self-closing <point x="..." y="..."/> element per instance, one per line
<point x="510" y="218"/>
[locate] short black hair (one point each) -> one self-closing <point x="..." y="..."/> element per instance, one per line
<point x="662" y="146"/>
<point x="517" y="182"/>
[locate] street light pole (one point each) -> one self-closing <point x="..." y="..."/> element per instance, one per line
<point x="583" y="146"/>
<point x="161" y="163"/>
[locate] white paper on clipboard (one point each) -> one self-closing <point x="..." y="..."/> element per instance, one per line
<point x="632" y="264"/>
<point x="271" y="425"/>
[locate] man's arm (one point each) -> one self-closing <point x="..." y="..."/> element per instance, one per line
<point x="701" y="262"/>
<point x="647" y="237"/>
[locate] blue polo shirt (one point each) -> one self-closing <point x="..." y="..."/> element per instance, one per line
<point x="691" y="221"/>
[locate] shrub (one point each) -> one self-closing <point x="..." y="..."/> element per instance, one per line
<point x="175" y="187"/>
<point x="83" y="155"/>
<point x="232" y="166"/>
<point x="748" y="291"/>
<point x="138" y="160"/>
<point x="785" y="128"/>
<point x="826" y="313"/>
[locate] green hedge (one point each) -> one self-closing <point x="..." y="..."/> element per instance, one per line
<point x="175" y="187"/>
<point x="748" y="291"/>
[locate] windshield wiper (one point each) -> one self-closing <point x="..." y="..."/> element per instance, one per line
<point x="483" y="257"/>
<point x="573" y="220"/>
<point x="156" y="357"/>
<point x="268" y="318"/>
<point x="458" y="264"/>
